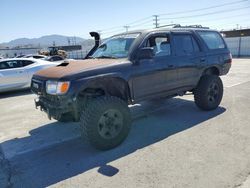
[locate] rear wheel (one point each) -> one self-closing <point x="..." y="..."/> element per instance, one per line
<point x="106" y="122"/>
<point x="209" y="92"/>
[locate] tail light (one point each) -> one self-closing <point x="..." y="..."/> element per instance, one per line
<point x="230" y="58"/>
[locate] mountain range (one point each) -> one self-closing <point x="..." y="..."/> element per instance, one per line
<point x="46" y="41"/>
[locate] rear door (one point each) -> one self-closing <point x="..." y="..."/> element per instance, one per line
<point x="189" y="57"/>
<point x="12" y="75"/>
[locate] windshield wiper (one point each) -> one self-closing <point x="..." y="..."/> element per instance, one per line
<point x="106" y="57"/>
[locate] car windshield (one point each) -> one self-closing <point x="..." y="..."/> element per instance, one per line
<point x="115" y="47"/>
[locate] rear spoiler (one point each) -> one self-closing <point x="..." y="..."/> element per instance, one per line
<point x="97" y="43"/>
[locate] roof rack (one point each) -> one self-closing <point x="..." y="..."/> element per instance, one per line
<point x="174" y="25"/>
<point x="186" y="26"/>
<point x="190" y="26"/>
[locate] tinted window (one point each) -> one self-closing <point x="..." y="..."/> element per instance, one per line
<point x="4" y="65"/>
<point x="212" y="39"/>
<point x="37" y="57"/>
<point x="10" y="64"/>
<point x="195" y="45"/>
<point x="184" y="45"/>
<point x="26" y="63"/>
<point x="160" y="44"/>
<point x="56" y="58"/>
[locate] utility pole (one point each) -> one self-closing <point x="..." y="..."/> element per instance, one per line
<point x="156" y="21"/>
<point x="68" y="41"/>
<point x="126" y="27"/>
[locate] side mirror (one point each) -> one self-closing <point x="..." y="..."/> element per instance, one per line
<point x="145" y="53"/>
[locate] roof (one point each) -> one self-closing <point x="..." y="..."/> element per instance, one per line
<point x="168" y="29"/>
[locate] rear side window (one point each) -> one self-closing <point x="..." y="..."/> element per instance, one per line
<point x="26" y="63"/>
<point x="212" y="39"/>
<point x="56" y="58"/>
<point x="38" y="57"/>
<point x="185" y="44"/>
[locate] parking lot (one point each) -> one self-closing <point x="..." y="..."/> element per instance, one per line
<point x="171" y="144"/>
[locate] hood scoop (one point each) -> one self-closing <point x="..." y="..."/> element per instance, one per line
<point x="64" y="64"/>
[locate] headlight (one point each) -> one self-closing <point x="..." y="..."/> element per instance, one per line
<point x="57" y="88"/>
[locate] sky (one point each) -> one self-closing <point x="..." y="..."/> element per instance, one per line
<point x="36" y="18"/>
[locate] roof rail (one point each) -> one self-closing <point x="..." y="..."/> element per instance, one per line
<point x="174" y="25"/>
<point x="190" y="26"/>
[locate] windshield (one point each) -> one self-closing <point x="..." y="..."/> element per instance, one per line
<point x="115" y="47"/>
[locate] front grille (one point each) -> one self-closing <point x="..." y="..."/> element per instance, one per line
<point x="37" y="86"/>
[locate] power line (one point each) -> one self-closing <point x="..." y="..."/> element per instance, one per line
<point x="129" y="24"/>
<point x="145" y="21"/>
<point x="209" y="20"/>
<point x="206" y="14"/>
<point x="138" y="21"/>
<point x="205" y="8"/>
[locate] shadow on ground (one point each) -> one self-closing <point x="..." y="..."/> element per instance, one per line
<point x="15" y="93"/>
<point x="49" y="165"/>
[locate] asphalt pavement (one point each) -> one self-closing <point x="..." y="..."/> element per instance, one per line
<point x="171" y="144"/>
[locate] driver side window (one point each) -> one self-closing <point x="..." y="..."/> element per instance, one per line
<point x="160" y="44"/>
<point x="10" y="64"/>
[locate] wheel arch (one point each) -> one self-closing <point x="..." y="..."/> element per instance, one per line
<point x="214" y="70"/>
<point x="112" y="86"/>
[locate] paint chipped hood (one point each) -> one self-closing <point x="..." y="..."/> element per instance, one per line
<point x="75" y="67"/>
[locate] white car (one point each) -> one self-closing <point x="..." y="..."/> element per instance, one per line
<point x="35" y="56"/>
<point x="16" y="73"/>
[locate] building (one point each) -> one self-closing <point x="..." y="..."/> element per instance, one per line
<point x="12" y="52"/>
<point x="238" y="41"/>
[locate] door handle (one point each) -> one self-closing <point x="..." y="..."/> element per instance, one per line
<point x="202" y="60"/>
<point x="20" y="71"/>
<point x="170" y="66"/>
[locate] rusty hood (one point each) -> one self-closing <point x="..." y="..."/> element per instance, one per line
<point x="76" y="66"/>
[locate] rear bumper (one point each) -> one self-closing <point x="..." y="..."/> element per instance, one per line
<point x="225" y="68"/>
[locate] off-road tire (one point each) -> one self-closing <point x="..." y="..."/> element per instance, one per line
<point x="66" y="117"/>
<point x="203" y="91"/>
<point x="90" y="121"/>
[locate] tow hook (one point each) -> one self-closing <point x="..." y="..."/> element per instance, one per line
<point x="37" y="103"/>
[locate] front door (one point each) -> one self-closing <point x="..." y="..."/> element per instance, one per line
<point x="12" y="75"/>
<point x="158" y="75"/>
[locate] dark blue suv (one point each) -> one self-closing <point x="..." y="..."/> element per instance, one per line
<point x="128" y="68"/>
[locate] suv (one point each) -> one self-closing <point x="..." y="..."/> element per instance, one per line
<point x="128" y="68"/>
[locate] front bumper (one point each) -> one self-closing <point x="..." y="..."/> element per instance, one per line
<point x="55" y="108"/>
<point x="53" y="105"/>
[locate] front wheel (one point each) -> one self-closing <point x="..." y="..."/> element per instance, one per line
<point x="208" y="94"/>
<point x="66" y="117"/>
<point x="106" y="122"/>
